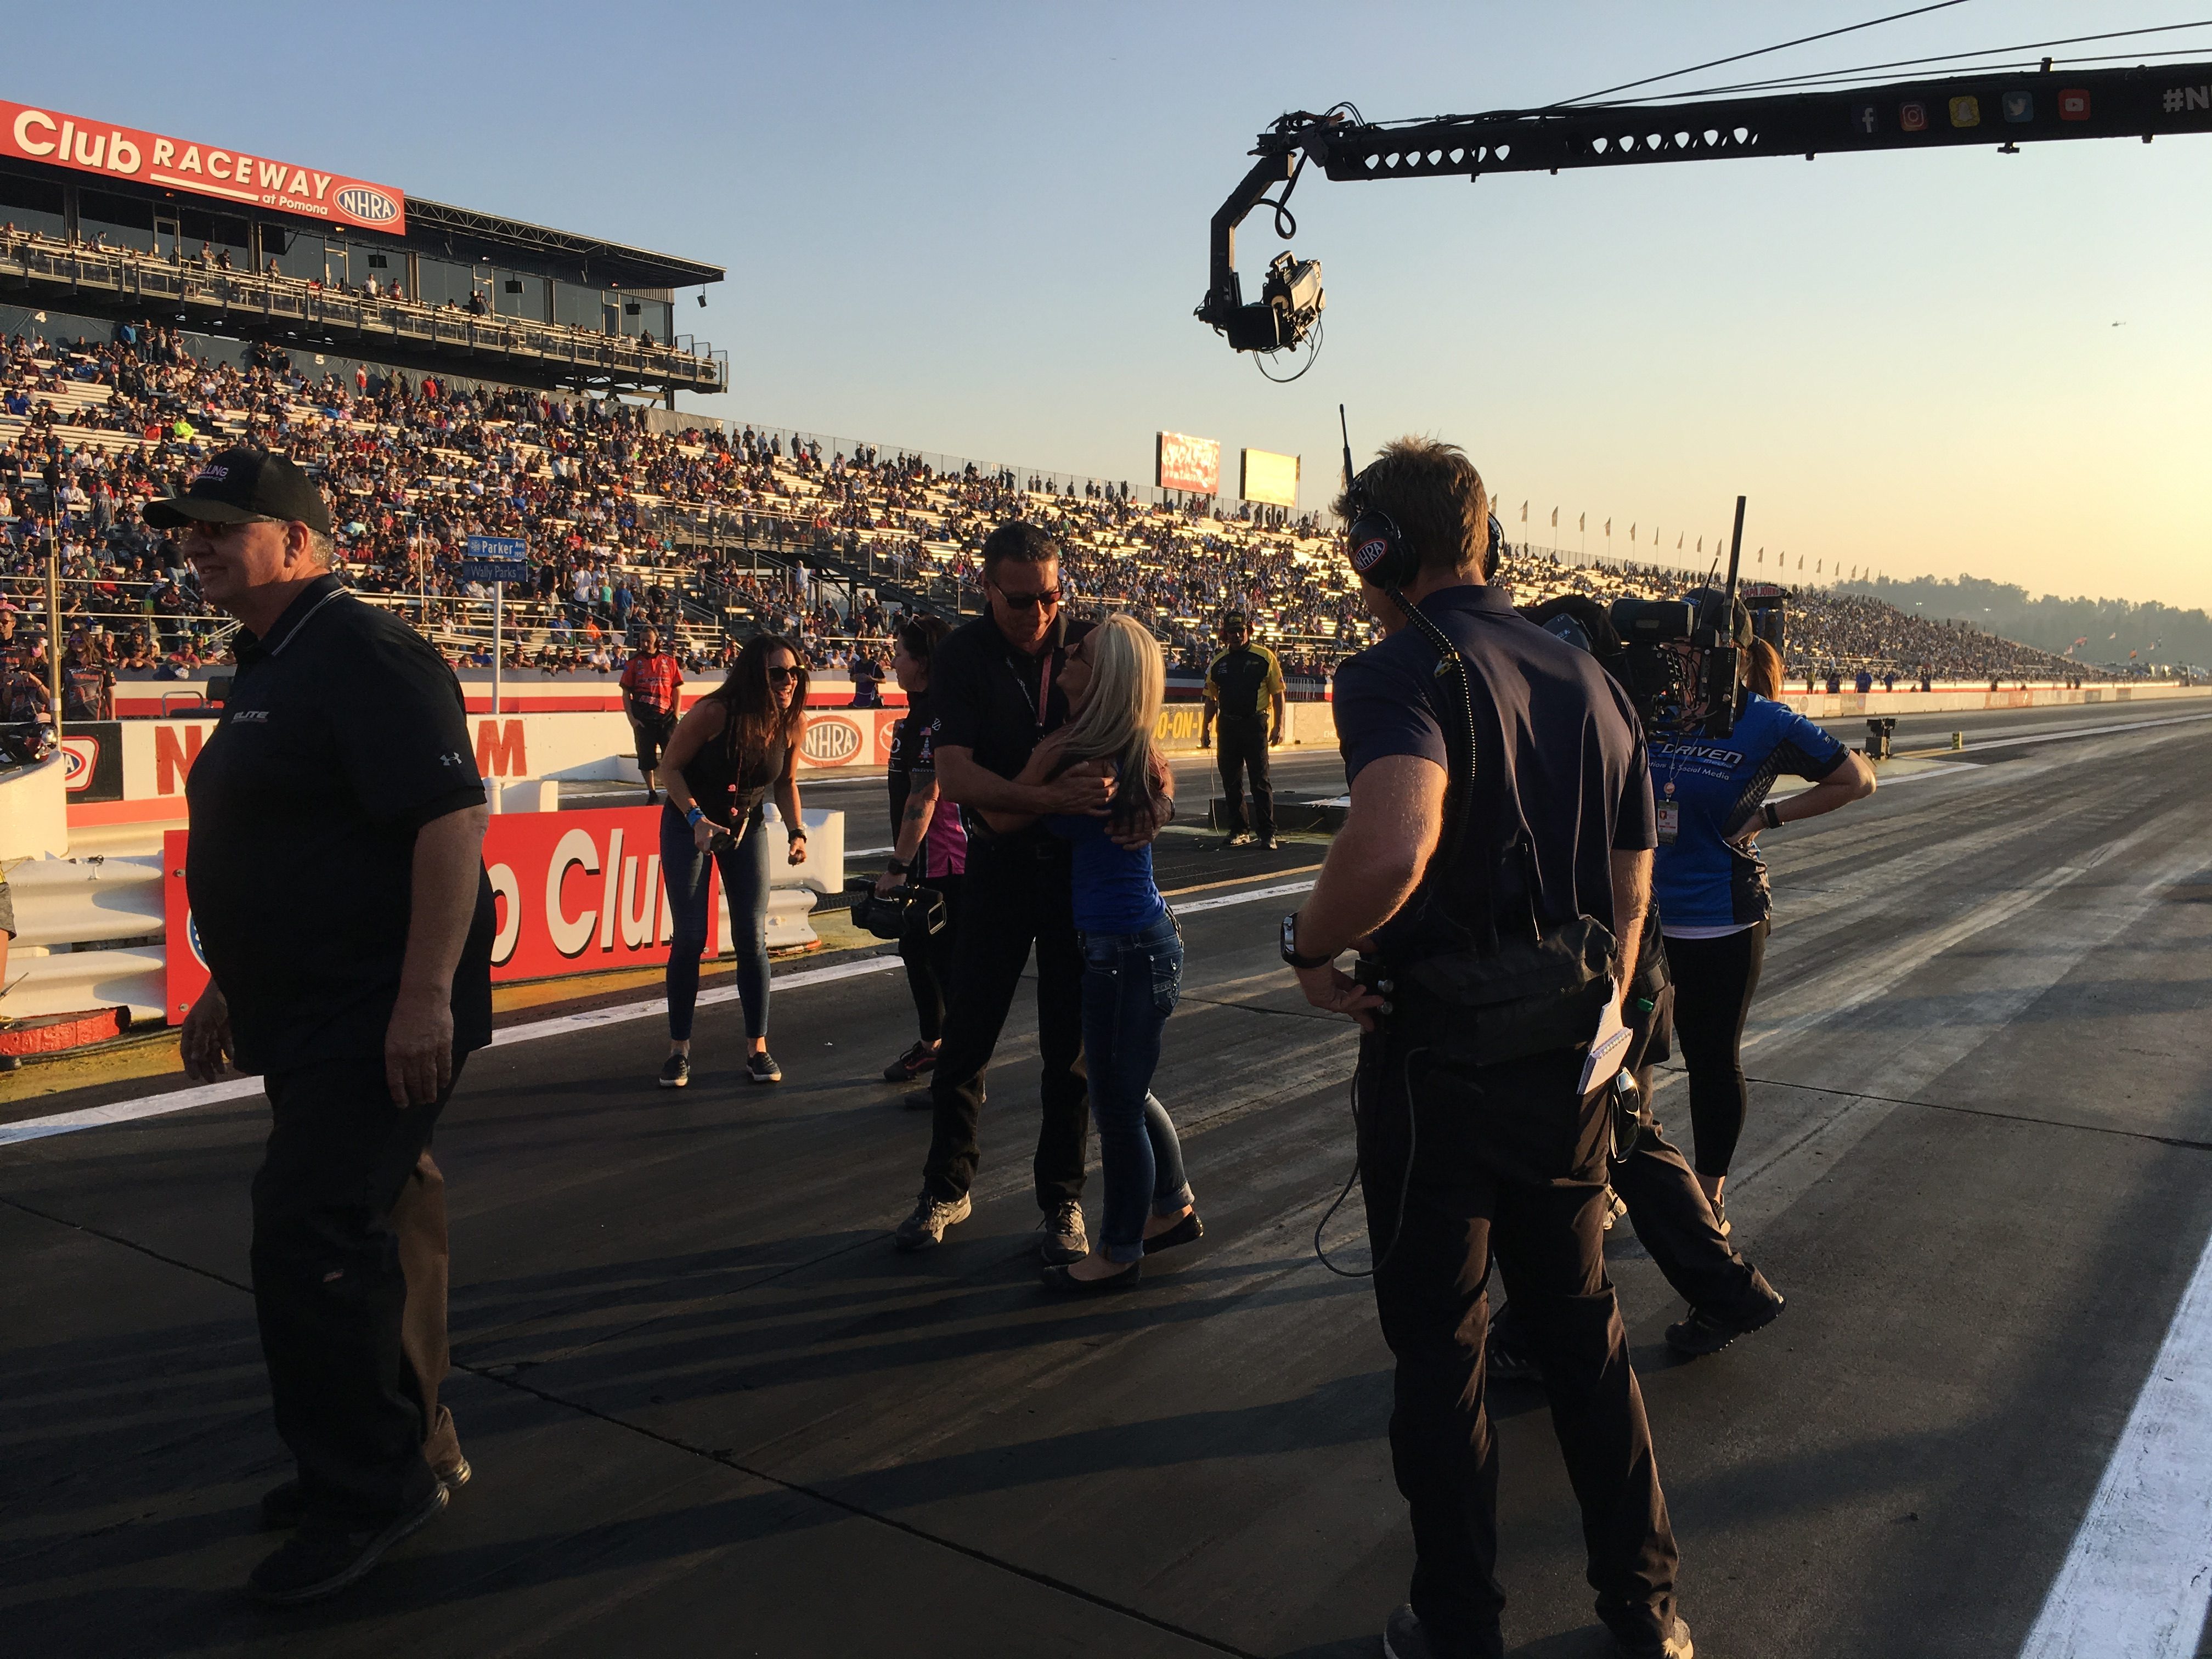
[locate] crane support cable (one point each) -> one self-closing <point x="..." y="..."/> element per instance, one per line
<point x="1802" y="40"/>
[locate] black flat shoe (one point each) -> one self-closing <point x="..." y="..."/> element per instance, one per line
<point x="1063" y="1283"/>
<point x="1188" y="1230"/>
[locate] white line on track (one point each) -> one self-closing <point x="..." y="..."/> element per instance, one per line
<point x="2135" y="1583"/>
<point x="209" y="1094"/>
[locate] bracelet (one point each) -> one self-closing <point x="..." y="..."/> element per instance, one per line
<point x="897" y="866"/>
<point x="693" y="817"/>
<point x="1772" y="814"/>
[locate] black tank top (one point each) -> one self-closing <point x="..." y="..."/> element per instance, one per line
<point x="730" y="787"/>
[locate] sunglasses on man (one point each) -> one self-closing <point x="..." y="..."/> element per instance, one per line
<point x="1048" y="598"/>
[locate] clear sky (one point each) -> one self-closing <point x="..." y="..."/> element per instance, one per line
<point x="982" y="230"/>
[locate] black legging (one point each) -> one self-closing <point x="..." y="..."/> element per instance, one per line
<point x="1714" y="979"/>
<point x="929" y="958"/>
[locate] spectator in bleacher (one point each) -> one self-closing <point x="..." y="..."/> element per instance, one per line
<point x="88" y="685"/>
<point x="738" y="745"/>
<point x="653" y="688"/>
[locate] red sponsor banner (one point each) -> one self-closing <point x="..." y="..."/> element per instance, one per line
<point x="572" y="893"/>
<point x="242" y="177"/>
<point x="1188" y="462"/>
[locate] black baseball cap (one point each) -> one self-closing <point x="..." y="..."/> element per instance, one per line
<point x="241" y="484"/>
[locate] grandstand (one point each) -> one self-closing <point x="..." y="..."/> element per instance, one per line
<point x="709" y="529"/>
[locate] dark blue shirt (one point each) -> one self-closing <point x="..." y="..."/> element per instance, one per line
<point x="1716" y="783"/>
<point x="1114" y="892"/>
<point x="1559" y="756"/>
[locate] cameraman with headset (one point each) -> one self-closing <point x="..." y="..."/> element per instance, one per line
<point x="1494" y="870"/>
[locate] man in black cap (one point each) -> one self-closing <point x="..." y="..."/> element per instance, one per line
<point x="1241" y="683"/>
<point x="337" y="882"/>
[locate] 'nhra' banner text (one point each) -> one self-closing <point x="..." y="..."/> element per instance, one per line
<point x="31" y="134"/>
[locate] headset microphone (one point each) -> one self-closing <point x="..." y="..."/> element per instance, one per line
<point x="1380" y="552"/>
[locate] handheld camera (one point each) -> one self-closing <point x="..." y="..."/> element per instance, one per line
<point x="1685" y="661"/>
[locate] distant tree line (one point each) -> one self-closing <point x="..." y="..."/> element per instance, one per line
<point x="2158" y="633"/>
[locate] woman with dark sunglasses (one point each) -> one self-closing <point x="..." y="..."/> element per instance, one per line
<point x="738" y="745"/>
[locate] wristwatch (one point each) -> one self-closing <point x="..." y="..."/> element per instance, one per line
<point x="1290" y="947"/>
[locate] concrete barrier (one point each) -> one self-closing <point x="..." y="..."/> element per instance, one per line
<point x="34" y="809"/>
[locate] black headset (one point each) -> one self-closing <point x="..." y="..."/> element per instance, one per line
<point x="1380" y="552"/>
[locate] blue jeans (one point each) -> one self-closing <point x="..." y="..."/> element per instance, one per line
<point x="1130" y="984"/>
<point x="744" y="879"/>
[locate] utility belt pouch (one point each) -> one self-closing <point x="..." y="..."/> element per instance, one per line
<point x="1529" y="996"/>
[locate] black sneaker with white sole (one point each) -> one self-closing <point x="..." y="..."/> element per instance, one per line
<point x="675" y="1072"/>
<point x="1061" y="1237"/>
<point x="762" y="1068"/>
<point x="1406" y="1638"/>
<point x="317" y="1561"/>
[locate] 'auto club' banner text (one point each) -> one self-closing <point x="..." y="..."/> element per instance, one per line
<point x="572" y="893"/>
<point x="243" y="177"/>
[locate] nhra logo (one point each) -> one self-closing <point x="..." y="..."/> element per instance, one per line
<point x="79" y="758"/>
<point x="193" y="938"/>
<point x="1369" y="554"/>
<point x="831" y="741"/>
<point x="369" y="206"/>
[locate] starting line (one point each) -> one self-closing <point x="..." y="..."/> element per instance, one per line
<point x="239" y="1088"/>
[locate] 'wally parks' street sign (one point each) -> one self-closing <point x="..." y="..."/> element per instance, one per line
<point x="495" y="559"/>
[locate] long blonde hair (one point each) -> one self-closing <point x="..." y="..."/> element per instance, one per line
<point x="1128" y="686"/>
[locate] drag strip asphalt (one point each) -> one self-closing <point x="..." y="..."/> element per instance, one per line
<point x="710" y="1408"/>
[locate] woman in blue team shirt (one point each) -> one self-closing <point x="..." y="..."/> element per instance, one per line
<point x="1710" y="882"/>
<point x="1115" y="682"/>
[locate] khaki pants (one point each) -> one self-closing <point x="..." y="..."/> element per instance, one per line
<point x="419" y="1220"/>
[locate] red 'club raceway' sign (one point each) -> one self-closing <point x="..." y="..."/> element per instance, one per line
<point x="572" y="893"/>
<point x="246" y="178"/>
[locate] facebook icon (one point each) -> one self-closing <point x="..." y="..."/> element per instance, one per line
<point x="1864" y="119"/>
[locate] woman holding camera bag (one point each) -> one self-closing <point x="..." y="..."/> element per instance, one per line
<point x="1115" y="682"/>
<point x="929" y="848"/>
<point x="1709" y="881"/>
<point x="738" y="744"/>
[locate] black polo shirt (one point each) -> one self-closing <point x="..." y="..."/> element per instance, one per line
<point x="1559" y="754"/>
<point x="344" y="733"/>
<point x="994" y="700"/>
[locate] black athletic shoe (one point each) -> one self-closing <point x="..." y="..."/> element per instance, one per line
<point x="1061" y="1237"/>
<point x="320" y="1561"/>
<point x="912" y="1064"/>
<point x="925" y="1228"/>
<point x="917" y="1100"/>
<point x="675" y="1072"/>
<point x="762" y="1068"/>
<point x="1709" y="1330"/>
<point x="283" y="1507"/>
<point x="1270" y="844"/>
<point x="1188" y="1230"/>
<point x="1405" y="1638"/>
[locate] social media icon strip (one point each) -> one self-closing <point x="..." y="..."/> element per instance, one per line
<point x="2074" y="104"/>
<point x="2020" y="106"/>
<point x="1913" y="117"/>
<point x="1966" y="112"/>
<point x="1866" y="120"/>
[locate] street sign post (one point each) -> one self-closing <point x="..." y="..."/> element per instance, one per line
<point x="498" y="560"/>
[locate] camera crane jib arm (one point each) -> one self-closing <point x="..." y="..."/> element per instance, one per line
<point x="2002" y="109"/>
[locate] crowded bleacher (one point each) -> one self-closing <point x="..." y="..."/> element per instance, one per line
<point x="710" y="532"/>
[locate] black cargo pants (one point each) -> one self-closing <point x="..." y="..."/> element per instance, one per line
<point x="330" y="1288"/>
<point x="1240" y="747"/>
<point x="1506" y="1162"/>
